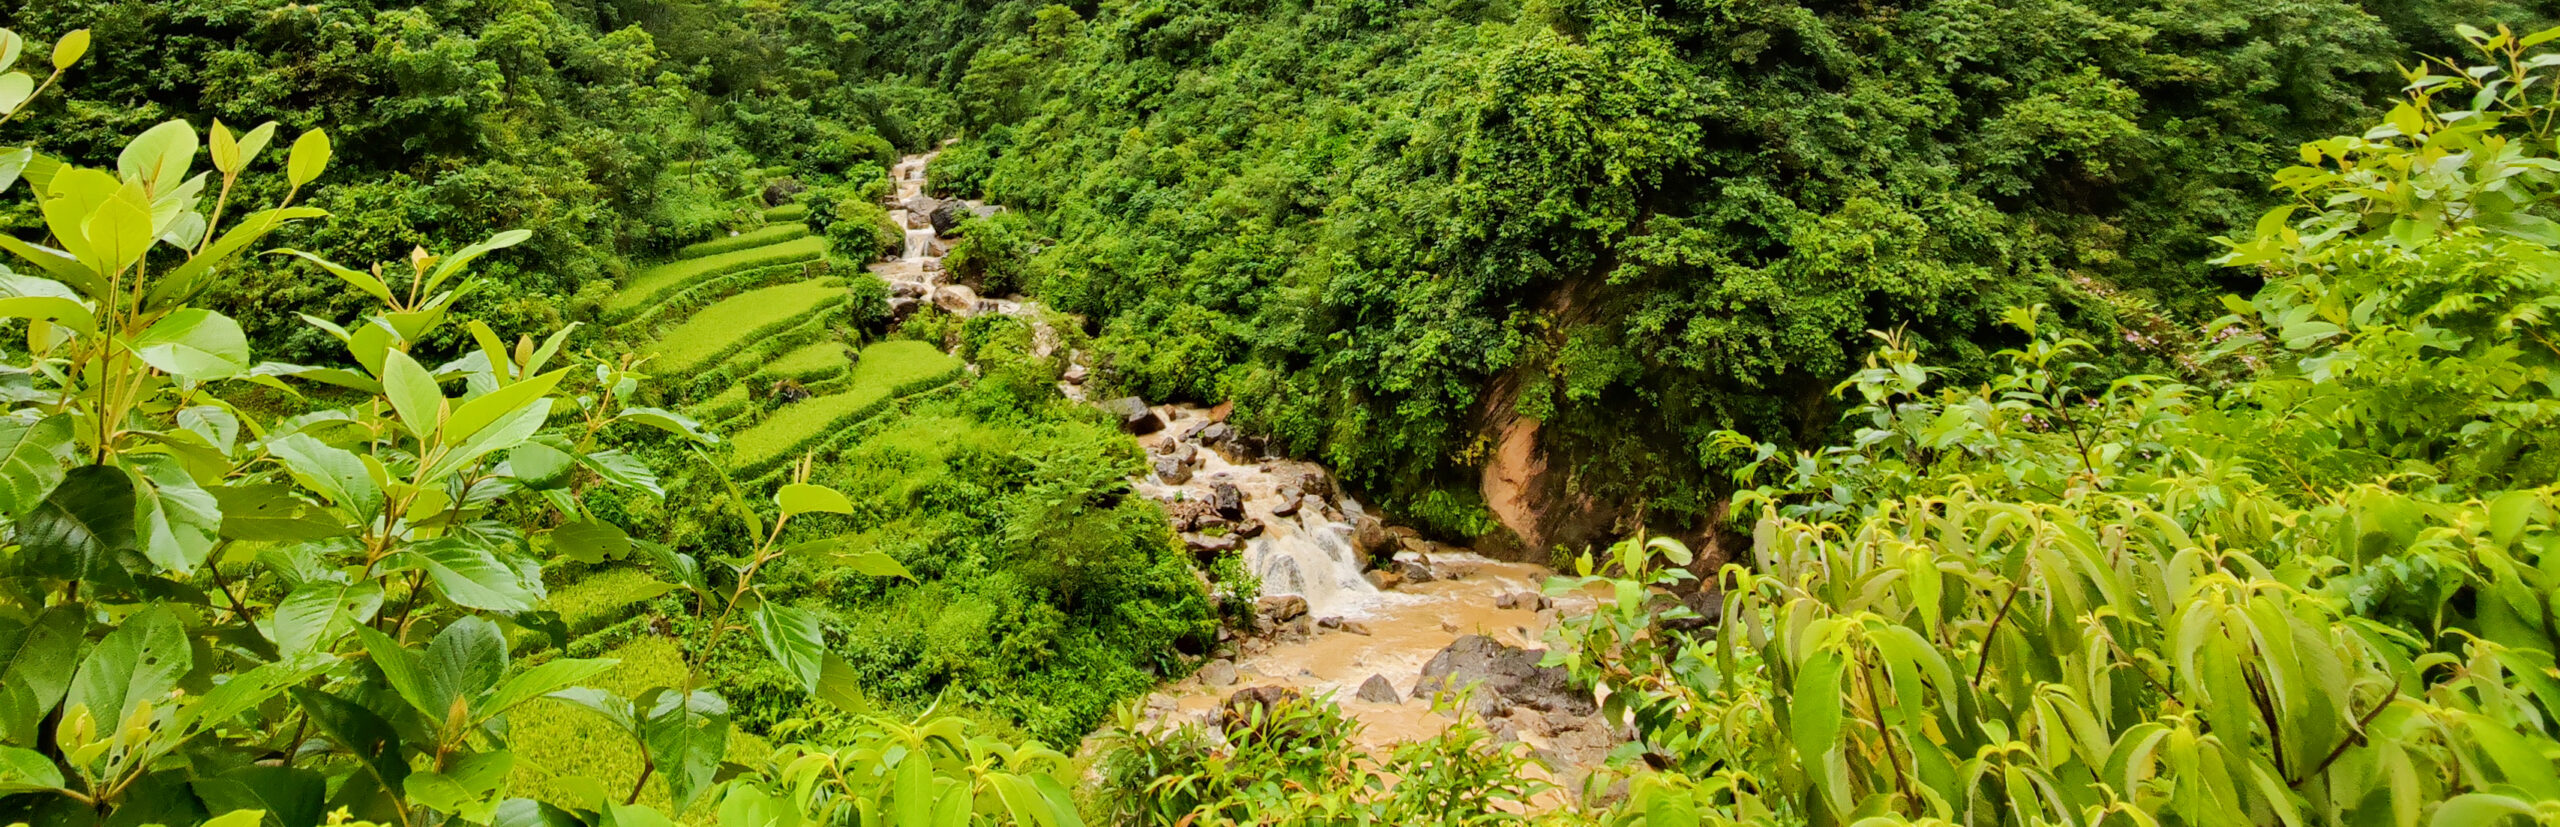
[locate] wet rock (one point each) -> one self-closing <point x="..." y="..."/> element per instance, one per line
<point x="1342" y="625"/>
<point x="1229" y="501"/>
<point x="1708" y="605"/>
<point x="1377" y="690"/>
<point x="1206" y="544"/>
<point x="1415" y="571"/>
<point x="1216" y="435"/>
<point x="947" y="217"/>
<point x="1317" y="506"/>
<point x="1369" y="536"/>
<point x="1531" y="601"/>
<point x="1135" y="416"/>
<point x="1416" y="545"/>
<point x="1280" y="608"/>
<point x="1172" y="470"/>
<point x="1286" y="506"/>
<point x="1248" y="529"/>
<point x="1384" y="580"/>
<point x="922" y="205"/>
<point x="779" y="191"/>
<point x="1218" y="673"/>
<point x="1185" y="514"/>
<point x="788" y="391"/>
<point x="1188" y="453"/>
<point x="1509" y="673"/>
<point x="937" y="249"/>
<point x="902" y="287"/>
<point x="957" y="299"/>
<point x="900" y="307"/>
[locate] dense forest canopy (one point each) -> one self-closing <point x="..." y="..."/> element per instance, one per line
<point x="513" y="412"/>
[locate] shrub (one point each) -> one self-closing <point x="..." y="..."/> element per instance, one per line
<point x="648" y="286"/>
<point x="767" y="235"/>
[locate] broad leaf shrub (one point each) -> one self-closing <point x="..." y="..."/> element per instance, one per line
<point x="215" y="611"/>
<point x="2321" y="595"/>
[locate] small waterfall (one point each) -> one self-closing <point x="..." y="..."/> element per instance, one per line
<point x="1311" y="556"/>
<point x="919" y="242"/>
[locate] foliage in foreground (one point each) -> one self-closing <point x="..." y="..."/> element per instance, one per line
<point x="210" y="608"/>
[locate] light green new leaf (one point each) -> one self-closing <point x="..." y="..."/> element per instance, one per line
<point x="183" y="282"/>
<point x="309" y="158"/>
<point x="160" y="156"/>
<point x="471" y="416"/>
<point x="509" y="431"/>
<point x="195" y="344"/>
<point x="68" y="50"/>
<point x="454" y="263"/>
<point x="803" y="498"/>
<point x="413" y="393"/>
<point x="55" y="309"/>
<point x="362" y="280"/>
<point x="876" y="564"/>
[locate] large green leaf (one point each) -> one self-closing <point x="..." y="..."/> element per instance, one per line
<point x="487" y="408"/>
<point x="413" y="393"/>
<point x="270" y="512"/>
<point x="176" y="518"/>
<point x="84" y="529"/>
<point x="548" y="677"/>
<point x="25" y="770"/>
<point x="686" y="733"/>
<point x="334" y="472"/>
<point x="195" y="344"/>
<point x="795" y="640"/>
<point x="289" y="796"/>
<point x="464" y="660"/>
<point x="320" y="612"/>
<point x="36" y="662"/>
<point x="509" y="431"/>
<point x="591" y="542"/>
<point x="624" y="470"/>
<point x="184" y="281"/>
<point x="141" y="661"/>
<point x="804" y="498"/>
<point x="32" y="456"/>
<point x="471" y="576"/>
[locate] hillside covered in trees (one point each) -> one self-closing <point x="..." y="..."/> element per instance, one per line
<point x="775" y="412"/>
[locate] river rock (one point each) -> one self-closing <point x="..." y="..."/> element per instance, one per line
<point x="1228" y="500"/>
<point x="1286" y="506"/>
<point x="1172" y="470"/>
<point x="1216" y="435"/>
<point x="1218" y="673"/>
<point x="1188" y="453"/>
<point x="1135" y="416"/>
<point x="985" y="210"/>
<point x="1377" y="690"/>
<point x="1343" y="625"/>
<point x="1369" y="536"/>
<point x="1210" y="543"/>
<point x="1248" y="528"/>
<point x="1416" y="545"/>
<point x="1185" y="514"/>
<point x="947" y="217"/>
<point x="1531" y="601"/>
<point x="1383" y="580"/>
<point x="957" y="299"/>
<point x="1415" y="571"/>
<point x="900" y="307"/>
<point x="1509" y="673"/>
<point x="1281" y="608"/>
<point x="902" y="287"/>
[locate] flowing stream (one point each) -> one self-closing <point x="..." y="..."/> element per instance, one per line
<point x="1298" y="534"/>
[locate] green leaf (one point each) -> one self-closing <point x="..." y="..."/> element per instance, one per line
<point x="309" y="158"/>
<point x="795" y="640"/>
<point x="591" y="542"/>
<point x="269" y="512"/>
<point x="175" y="518"/>
<point x="400" y="666"/>
<point x="186" y="280"/>
<point x="32" y="456"/>
<point x="454" y="263"/>
<point x="15" y="89"/>
<point x="803" y="498"/>
<point x="141" y="661"/>
<point x="369" y="283"/>
<point x="288" y="796"/>
<point x="487" y="408"/>
<point x="160" y="156"/>
<point x="670" y="422"/>
<point x="686" y="732"/>
<point x="84" y="527"/>
<point x="413" y="393"/>
<point x="540" y="466"/>
<point x="336" y="473"/>
<point x="68" y="50"/>
<point x="27" y="771"/>
<point x="550" y="676"/>
<point x="36" y="662"/>
<point x="509" y="431"/>
<point x="118" y="230"/>
<point x="195" y="344"/>
<point x="624" y="470"/>
<point x="876" y="564"/>
<point x="55" y="309"/>
<point x="1814" y="708"/>
<point x="472" y="577"/>
<point x="313" y="616"/>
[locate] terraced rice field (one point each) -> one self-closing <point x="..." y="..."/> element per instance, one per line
<point x="887" y="370"/>
<point x="652" y="285"/>
<point x="718" y="330"/>
<point x="813" y="360"/>
<point x="760" y="237"/>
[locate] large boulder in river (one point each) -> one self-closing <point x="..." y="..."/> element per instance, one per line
<point x="947" y="217"/>
<point x="1228" y="500"/>
<point x="1281" y="608"/>
<point x="1172" y="470"/>
<point x="1135" y="416"/>
<point x="1508" y="673"/>
<point x="1377" y="690"/>
<point x="956" y="299"/>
